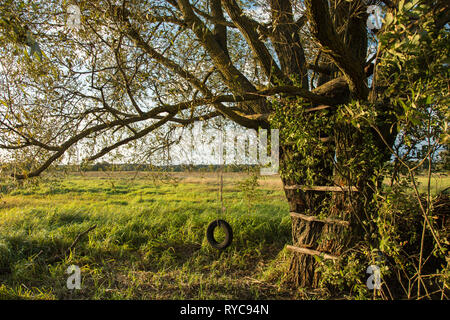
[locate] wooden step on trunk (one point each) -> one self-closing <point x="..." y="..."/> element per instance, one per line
<point x="315" y="219"/>
<point x="311" y="252"/>
<point x="322" y="188"/>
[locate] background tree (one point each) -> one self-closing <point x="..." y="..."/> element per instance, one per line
<point x="138" y="69"/>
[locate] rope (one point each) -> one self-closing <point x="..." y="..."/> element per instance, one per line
<point x="221" y="160"/>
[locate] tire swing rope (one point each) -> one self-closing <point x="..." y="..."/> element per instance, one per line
<point x="220" y="222"/>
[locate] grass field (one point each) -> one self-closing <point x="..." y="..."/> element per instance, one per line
<point x="149" y="241"/>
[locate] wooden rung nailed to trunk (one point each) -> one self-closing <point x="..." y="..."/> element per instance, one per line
<point x="322" y="188"/>
<point x="314" y="218"/>
<point x="326" y="139"/>
<point x="321" y="107"/>
<point x="311" y="252"/>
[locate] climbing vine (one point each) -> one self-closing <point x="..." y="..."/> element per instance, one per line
<point x="380" y="146"/>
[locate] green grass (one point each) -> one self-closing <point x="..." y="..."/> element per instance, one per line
<point x="149" y="242"/>
<point x="438" y="182"/>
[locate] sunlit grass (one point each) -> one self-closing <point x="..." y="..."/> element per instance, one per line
<point x="438" y="182"/>
<point x="149" y="242"/>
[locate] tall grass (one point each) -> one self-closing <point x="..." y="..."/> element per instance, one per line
<point x="149" y="242"/>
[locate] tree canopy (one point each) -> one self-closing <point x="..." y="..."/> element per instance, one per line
<point x="133" y="67"/>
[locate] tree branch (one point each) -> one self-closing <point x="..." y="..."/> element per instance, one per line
<point x="322" y="28"/>
<point x="138" y="135"/>
<point x="248" y="29"/>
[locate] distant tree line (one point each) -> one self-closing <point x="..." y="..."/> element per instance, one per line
<point x="106" y="166"/>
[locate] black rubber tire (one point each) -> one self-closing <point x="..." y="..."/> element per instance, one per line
<point x="228" y="234"/>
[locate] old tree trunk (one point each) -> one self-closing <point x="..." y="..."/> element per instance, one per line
<point x="327" y="165"/>
<point x="329" y="207"/>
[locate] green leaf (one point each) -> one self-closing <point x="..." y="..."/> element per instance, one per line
<point x="389" y="18"/>
<point x="317" y="258"/>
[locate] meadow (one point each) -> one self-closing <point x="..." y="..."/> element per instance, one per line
<point x="149" y="241"/>
<point x="146" y="237"/>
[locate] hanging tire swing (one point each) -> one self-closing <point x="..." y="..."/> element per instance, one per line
<point x="227" y="230"/>
<point x="220" y="222"/>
